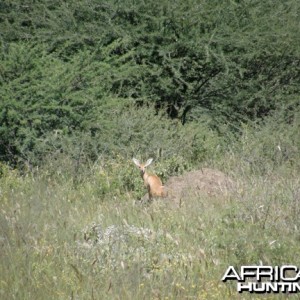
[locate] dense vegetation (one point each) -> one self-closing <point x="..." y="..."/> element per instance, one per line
<point x="86" y="85"/>
<point x="71" y="69"/>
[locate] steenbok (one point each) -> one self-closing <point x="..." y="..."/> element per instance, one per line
<point x="152" y="182"/>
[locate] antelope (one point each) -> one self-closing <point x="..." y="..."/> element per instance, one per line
<point x="152" y="182"/>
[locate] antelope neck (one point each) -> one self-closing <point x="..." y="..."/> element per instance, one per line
<point x="144" y="174"/>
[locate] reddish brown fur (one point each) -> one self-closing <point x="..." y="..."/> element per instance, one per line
<point x="152" y="182"/>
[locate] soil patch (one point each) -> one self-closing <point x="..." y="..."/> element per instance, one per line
<point x="207" y="182"/>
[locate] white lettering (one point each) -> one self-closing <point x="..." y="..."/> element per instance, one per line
<point x="265" y="279"/>
<point x="268" y="287"/>
<point x="265" y="271"/>
<point x="246" y="272"/>
<point x="234" y="276"/>
<point x="284" y="270"/>
<point x="247" y="287"/>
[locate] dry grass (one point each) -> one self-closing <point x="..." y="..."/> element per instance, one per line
<point x="200" y="183"/>
<point x="62" y="241"/>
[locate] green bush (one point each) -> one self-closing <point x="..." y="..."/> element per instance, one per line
<point x="266" y="146"/>
<point x="70" y="68"/>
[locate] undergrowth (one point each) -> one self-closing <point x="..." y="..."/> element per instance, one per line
<point x="90" y="239"/>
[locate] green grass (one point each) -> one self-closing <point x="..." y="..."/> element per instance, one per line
<point x="50" y="247"/>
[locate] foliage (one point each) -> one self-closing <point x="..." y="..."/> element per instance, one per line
<point x="67" y="67"/>
<point x="269" y="145"/>
<point x="87" y="85"/>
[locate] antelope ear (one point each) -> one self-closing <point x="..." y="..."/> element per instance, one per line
<point x="149" y="161"/>
<point x="136" y="161"/>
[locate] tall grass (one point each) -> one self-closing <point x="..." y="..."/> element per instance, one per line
<point x="88" y="239"/>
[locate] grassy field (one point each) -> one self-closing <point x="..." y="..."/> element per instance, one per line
<point x="208" y="89"/>
<point x="61" y="240"/>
